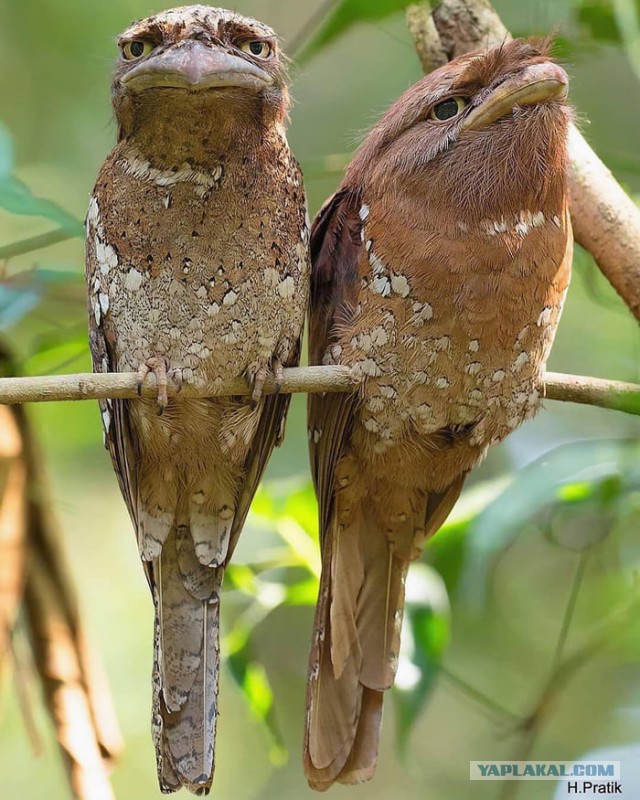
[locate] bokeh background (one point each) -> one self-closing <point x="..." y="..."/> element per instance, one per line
<point x="525" y="600"/>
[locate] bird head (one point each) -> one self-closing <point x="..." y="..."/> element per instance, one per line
<point x="199" y="59"/>
<point x="483" y="134"/>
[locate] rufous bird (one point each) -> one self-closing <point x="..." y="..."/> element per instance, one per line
<point x="197" y="267"/>
<point x="439" y="270"/>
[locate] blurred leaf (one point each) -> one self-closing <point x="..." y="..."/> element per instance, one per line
<point x="56" y="352"/>
<point x="570" y="492"/>
<point x="425" y="636"/>
<point x="241" y="577"/>
<point x="292" y="508"/>
<point x="25" y="291"/>
<point x="584" y="513"/>
<point x="303" y="508"/>
<point x="303" y="593"/>
<point x="598" y="18"/>
<point x="59" y="276"/>
<point x="6" y="153"/>
<point x="343" y="16"/>
<point x="446" y="552"/>
<point x="301" y="544"/>
<point x="16" y="197"/>
<point x="256" y="689"/>
<point x="627" y="17"/>
<point x="264" y="503"/>
<point x="15" y="303"/>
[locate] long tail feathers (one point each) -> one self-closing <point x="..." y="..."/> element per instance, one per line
<point x="356" y="642"/>
<point x="186" y="665"/>
<point x="354" y="652"/>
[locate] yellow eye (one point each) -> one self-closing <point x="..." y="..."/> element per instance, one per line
<point x="449" y="108"/>
<point x="257" y="48"/>
<point x="136" y="49"/>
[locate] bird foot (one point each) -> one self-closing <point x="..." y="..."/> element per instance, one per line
<point x="159" y="367"/>
<point x="257" y="384"/>
<point x="257" y="378"/>
<point x="278" y="374"/>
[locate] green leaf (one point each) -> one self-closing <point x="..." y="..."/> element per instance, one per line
<point x="301" y="544"/>
<point x="570" y="493"/>
<point x="425" y="636"/>
<point x="241" y="577"/>
<point x="598" y="19"/>
<point x="303" y="593"/>
<point x="446" y="552"/>
<point x="345" y="14"/>
<point x="56" y="353"/>
<point x="15" y="303"/>
<point x="23" y="292"/>
<point x="627" y="17"/>
<point x="302" y="506"/>
<point x="6" y="153"/>
<point x="252" y="679"/>
<point x="17" y="198"/>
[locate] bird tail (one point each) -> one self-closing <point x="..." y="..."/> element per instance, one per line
<point x="366" y="551"/>
<point x="354" y="650"/>
<point x="186" y="664"/>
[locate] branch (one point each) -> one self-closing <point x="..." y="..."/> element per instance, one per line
<point x="606" y="221"/>
<point x="614" y="395"/>
<point x="425" y="37"/>
<point x="14" y="249"/>
<point x="89" y="386"/>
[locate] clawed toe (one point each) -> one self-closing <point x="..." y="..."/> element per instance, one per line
<point x="177" y="377"/>
<point x="278" y="373"/>
<point x="158" y="366"/>
<point x="258" y="385"/>
<point x="258" y="377"/>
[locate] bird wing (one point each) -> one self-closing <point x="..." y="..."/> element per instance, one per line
<point x="269" y="434"/>
<point x="335" y="251"/>
<point x="332" y="716"/>
<point x="115" y="422"/>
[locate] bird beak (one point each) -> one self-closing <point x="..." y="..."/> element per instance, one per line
<point x="536" y="84"/>
<point x="194" y="65"/>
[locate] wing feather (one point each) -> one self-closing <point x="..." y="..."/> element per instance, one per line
<point x="335" y="250"/>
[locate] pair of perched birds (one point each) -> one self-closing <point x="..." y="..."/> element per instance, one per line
<point x="436" y="272"/>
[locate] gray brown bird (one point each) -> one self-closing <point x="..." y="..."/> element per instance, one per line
<point x="439" y="272"/>
<point x="197" y="266"/>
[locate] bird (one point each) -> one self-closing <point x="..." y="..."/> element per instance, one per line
<point x="439" y="271"/>
<point x="197" y="270"/>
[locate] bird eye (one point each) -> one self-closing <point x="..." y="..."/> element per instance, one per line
<point x="136" y="49"/>
<point x="448" y="109"/>
<point x="257" y="48"/>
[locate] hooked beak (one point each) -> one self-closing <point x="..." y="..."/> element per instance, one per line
<point x="538" y="83"/>
<point x="194" y="65"/>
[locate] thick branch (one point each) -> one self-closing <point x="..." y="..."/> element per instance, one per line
<point x="423" y="30"/>
<point x="606" y="221"/>
<point x="302" y="380"/>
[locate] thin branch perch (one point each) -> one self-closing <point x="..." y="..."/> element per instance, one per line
<point x="300" y="380"/>
<point x="605" y="219"/>
<point x="14" y="249"/>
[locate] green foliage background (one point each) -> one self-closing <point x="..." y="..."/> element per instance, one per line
<point x="521" y="630"/>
